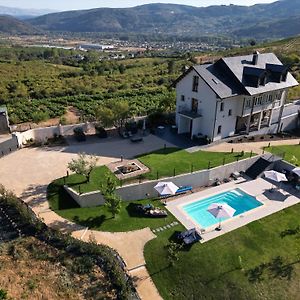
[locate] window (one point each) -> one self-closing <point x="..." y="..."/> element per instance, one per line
<point x="222" y="106"/>
<point x="248" y="103"/>
<point x="270" y="98"/>
<point x="230" y="112"/>
<point x="194" y="105"/>
<point x="182" y="98"/>
<point x="219" y="129"/>
<point x="195" y="83"/>
<point x="279" y="95"/>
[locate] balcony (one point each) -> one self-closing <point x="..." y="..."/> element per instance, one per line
<point x="190" y="114"/>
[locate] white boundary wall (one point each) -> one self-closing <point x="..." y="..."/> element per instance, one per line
<point x="43" y="134"/>
<point x="146" y="189"/>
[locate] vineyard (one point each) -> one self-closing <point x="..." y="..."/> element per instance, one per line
<point x="38" y="84"/>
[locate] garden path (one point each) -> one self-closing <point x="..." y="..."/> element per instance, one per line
<point x="256" y="147"/>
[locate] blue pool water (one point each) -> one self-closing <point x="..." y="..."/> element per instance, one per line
<point x="236" y="198"/>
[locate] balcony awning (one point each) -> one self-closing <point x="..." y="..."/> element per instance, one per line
<point x="189" y="114"/>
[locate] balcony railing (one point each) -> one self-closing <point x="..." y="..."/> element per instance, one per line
<point x="190" y="113"/>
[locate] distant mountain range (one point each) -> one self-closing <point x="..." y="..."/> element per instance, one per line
<point x="276" y="20"/>
<point x="22" y="13"/>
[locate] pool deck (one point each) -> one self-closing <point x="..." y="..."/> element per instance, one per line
<point x="259" y="188"/>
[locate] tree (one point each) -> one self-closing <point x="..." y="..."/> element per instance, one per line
<point x="83" y="165"/>
<point x="113" y="203"/>
<point x="113" y="113"/>
<point x="171" y="66"/>
<point x="111" y="185"/>
<point x="112" y="200"/>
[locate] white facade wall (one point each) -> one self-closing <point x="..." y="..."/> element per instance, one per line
<point x="226" y="121"/>
<point x="209" y="107"/>
<point x="206" y="105"/>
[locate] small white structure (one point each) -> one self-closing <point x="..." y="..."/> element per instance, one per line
<point x="96" y="47"/>
<point x="233" y="95"/>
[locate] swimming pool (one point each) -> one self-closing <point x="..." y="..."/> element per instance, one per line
<point x="236" y="198"/>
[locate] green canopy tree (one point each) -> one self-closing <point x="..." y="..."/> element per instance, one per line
<point x="114" y="113"/>
<point x="113" y="203"/>
<point x="83" y="165"/>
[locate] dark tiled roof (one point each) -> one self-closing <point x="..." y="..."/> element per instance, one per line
<point x="221" y="84"/>
<point x="236" y="66"/>
<point x="227" y="77"/>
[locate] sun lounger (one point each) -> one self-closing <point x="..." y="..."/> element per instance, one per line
<point x="157" y="213"/>
<point x="184" y="189"/>
<point x="236" y="175"/>
<point x="151" y="211"/>
<point x="189" y="237"/>
<point x="181" y="190"/>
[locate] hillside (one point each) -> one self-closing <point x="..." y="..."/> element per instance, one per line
<point x="180" y="20"/>
<point x="272" y="29"/>
<point x="11" y="25"/>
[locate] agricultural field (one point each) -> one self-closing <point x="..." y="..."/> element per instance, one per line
<point x="36" y="89"/>
<point x="38" y="84"/>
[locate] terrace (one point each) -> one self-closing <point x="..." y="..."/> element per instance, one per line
<point x="260" y="189"/>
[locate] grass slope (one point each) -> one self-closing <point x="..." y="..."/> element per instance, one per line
<point x="219" y="269"/>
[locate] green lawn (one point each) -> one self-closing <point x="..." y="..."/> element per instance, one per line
<point x="79" y="183"/>
<point x="291" y="153"/>
<point x="98" y="217"/>
<point x="219" y="269"/>
<point x="164" y="161"/>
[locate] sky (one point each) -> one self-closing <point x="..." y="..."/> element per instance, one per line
<point x="80" y="4"/>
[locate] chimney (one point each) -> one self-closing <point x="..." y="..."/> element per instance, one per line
<point x="255" y="58"/>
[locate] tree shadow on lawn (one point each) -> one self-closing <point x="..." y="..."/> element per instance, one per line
<point x="91" y="222"/>
<point x="134" y="212"/>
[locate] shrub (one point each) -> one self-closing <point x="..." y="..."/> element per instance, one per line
<point x="101" y="132"/>
<point x="155" y="119"/>
<point x="79" y="134"/>
<point x="3" y="294"/>
<point x="39" y="116"/>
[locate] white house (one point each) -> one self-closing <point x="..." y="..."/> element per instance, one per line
<point x="233" y="95"/>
